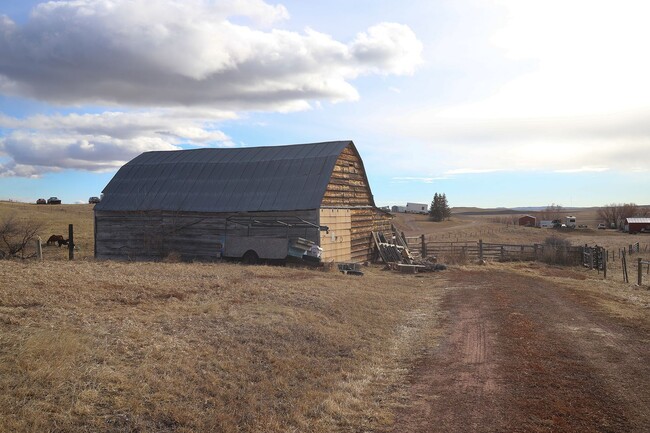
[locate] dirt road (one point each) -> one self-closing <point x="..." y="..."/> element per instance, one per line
<point x="525" y="354"/>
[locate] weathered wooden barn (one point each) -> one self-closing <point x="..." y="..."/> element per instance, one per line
<point x="190" y="202"/>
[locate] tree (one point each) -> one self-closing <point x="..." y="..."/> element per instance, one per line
<point x="615" y="213"/>
<point x="439" y="208"/>
<point x="15" y="235"/>
<point x="552" y="212"/>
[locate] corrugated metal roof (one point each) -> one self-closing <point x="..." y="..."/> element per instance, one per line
<point x="638" y="220"/>
<point x="225" y="180"/>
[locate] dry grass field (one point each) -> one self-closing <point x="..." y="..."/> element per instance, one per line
<point x="90" y="346"/>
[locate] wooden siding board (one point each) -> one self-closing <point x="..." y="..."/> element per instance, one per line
<point x="193" y="235"/>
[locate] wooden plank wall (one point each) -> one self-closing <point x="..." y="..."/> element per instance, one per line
<point x="365" y="221"/>
<point x="348" y="186"/>
<point x="336" y="242"/>
<point x="348" y="189"/>
<point x="192" y="235"/>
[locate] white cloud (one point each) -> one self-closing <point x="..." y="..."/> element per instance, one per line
<point x="189" y="53"/>
<point x="98" y="142"/>
<point x="583" y="170"/>
<point x="578" y="98"/>
<point x="408" y="179"/>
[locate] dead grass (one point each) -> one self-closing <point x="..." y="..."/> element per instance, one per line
<point x="104" y="346"/>
<point x="91" y="346"/>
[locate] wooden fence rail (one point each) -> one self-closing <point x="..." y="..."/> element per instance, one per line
<point x="473" y="250"/>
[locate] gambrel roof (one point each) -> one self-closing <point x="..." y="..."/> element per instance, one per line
<point x="275" y="178"/>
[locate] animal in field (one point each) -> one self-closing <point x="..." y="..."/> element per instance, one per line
<point x="57" y="239"/>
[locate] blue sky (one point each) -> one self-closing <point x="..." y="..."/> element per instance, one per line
<point x="495" y="103"/>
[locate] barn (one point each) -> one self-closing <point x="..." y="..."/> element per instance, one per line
<point x="527" y="220"/>
<point x="192" y="203"/>
<point x="636" y="225"/>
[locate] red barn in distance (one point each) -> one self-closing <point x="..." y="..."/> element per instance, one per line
<point x="637" y="225"/>
<point x="527" y="220"/>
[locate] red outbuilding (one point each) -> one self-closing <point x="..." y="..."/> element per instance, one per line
<point x="527" y="220"/>
<point x="636" y="225"/>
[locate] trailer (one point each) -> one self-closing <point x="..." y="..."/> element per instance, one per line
<point x="421" y="208"/>
<point x="571" y="222"/>
<point x="253" y="240"/>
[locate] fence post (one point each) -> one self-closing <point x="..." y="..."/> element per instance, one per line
<point x="424" y="247"/>
<point x="605" y="260"/>
<point x="480" y="249"/>
<point x="39" y="248"/>
<point x="640" y="272"/>
<point x="502" y="253"/>
<point x="70" y="242"/>
<point x="624" y="264"/>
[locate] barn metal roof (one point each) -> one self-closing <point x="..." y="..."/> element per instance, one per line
<point x="246" y="179"/>
<point x="638" y="220"/>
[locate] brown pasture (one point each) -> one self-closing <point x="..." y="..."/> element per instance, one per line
<point x="183" y="347"/>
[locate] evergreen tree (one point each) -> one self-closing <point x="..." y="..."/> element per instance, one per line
<point x="446" y="210"/>
<point x="439" y="208"/>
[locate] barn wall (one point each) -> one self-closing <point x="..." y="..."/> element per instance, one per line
<point x="192" y="235"/>
<point x="348" y="191"/>
<point x="365" y="221"/>
<point x="348" y="185"/>
<point x="336" y="241"/>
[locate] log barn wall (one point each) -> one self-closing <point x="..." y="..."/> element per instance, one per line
<point x="192" y="235"/>
<point x="349" y="189"/>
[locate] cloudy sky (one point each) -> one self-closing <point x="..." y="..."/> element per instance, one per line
<point x="495" y="103"/>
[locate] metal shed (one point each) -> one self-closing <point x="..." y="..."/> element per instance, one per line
<point x="190" y="201"/>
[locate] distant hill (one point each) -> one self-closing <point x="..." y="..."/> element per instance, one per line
<point x="480" y="211"/>
<point x="513" y="211"/>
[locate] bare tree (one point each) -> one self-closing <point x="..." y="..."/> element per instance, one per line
<point x="552" y="212"/>
<point x="15" y="235"/>
<point x="616" y="213"/>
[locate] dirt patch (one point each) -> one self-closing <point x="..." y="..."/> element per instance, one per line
<point x="524" y="354"/>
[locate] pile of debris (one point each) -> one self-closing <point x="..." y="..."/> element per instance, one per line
<point x="396" y="255"/>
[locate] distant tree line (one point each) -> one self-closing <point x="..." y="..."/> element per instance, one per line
<point x="439" y="209"/>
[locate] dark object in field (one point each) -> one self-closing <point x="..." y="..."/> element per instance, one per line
<point x="350" y="269"/>
<point x="53" y="200"/>
<point x="57" y="239"/>
<point x="41" y="201"/>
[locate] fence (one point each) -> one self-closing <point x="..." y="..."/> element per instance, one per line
<point x="479" y="250"/>
<point x="597" y="258"/>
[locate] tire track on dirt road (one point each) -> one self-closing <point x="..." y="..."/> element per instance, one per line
<point x="526" y="354"/>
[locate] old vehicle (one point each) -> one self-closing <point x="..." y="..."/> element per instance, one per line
<point x="41" y="201"/>
<point x="602" y="226"/>
<point x="53" y="200"/>
<point x="254" y="241"/>
<point x="93" y="200"/>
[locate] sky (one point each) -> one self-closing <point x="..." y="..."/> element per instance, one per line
<point x="508" y="103"/>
